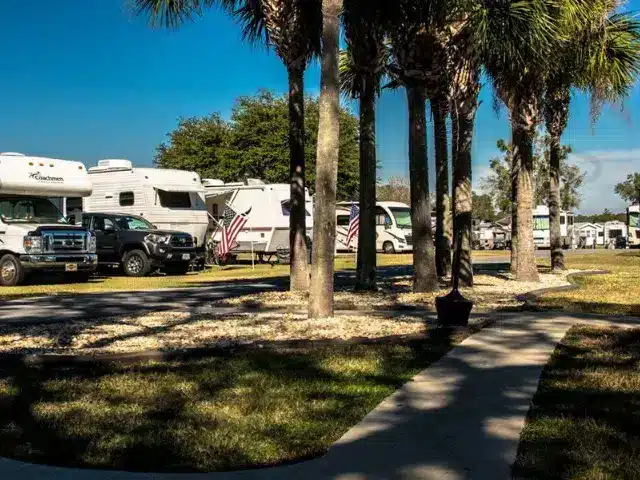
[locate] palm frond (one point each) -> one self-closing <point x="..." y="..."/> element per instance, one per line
<point x="170" y="13"/>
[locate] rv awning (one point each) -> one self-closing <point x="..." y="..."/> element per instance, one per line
<point x="219" y="193"/>
<point x="180" y="188"/>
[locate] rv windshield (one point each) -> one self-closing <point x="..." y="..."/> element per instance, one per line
<point x="634" y="219"/>
<point x="128" y="222"/>
<point x="402" y="215"/>
<point x="29" y="210"/>
<point x="541" y="222"/>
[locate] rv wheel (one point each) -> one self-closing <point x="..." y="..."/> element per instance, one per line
<point x="388" y="247"/>
<point x="11" y="271"/>
<point x="136" y="264"/>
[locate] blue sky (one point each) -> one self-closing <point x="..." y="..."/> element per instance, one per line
<point x="91" y="83"/>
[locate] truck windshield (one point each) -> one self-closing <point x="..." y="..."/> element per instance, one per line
<point x="29" y="210"/>
<point x="127" y="222"/>
<point x="634" y="219"/>
<point x="541" y="222"/>
<point x="402" y="215"/>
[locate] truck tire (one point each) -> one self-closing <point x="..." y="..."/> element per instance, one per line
<point x="135" y="263"/>
<point x="11" y="271"/>
<point x="388" y="247"/>
<point x="177" y="269"/>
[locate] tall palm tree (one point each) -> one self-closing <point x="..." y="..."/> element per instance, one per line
<point x="412" y="43"/>
<point x="362" y="67"/>
<point x="600" y="54"/>
<point x="324" y="234"/>
<point x="292" y="29"/>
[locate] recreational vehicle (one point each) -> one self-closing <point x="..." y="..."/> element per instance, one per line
<point x="33" y="233"/>
<point x="541" y="227"/>
<point x="586" y="235"/>
<point x="614" y="231"/>
<point x="267" y="208"/>
<point x="169" y="199"/>
<point x="393" y="226"/>
<point x="633" y="225"/>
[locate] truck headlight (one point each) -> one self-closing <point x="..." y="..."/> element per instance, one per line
<point x="92" y="243"/>
<point x="154" y="238"/>
<point x="32" y="244"/>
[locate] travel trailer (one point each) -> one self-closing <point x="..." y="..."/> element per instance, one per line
<point x="169" y="199"/>
<point x="393" y="227"/>
<point x="541" y="227"/>
<point x="613" y="231"/>
<point x="633" y="225"/>
<point x="34" y="236"/>
<point x="267" y="208"/>
<point x="586" y="234"/>
<point x="489" y="236"/>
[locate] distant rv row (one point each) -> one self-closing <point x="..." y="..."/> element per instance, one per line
<point x="55" y="215"/>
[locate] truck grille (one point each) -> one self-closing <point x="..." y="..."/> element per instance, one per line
<point x="409" y="239"/>
<point x="182" y="241"/>
<point x="65" y="241"/>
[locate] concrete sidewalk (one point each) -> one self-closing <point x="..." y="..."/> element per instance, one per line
<point x="459" y="419"/>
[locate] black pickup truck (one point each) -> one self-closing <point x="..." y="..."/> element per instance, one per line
<point x="138" y="246"/>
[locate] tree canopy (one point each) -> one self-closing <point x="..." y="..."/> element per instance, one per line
<point x="397" y="189"/>
<point x="483" y="208"/>
<point x="629" y="190"/>
<point x="254" y="143"/>
<point x="498" y="182"/>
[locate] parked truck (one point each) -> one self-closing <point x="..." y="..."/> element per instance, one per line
<point x="34" y="236"/>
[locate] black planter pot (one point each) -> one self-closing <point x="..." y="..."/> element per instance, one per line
<point x="453" y="309"/>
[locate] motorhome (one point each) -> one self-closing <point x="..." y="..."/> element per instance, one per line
<point x="169" y="199"/>
<point x="34" y="236"/>
<point x="613" y="231"/>
<point x="393" y="226"/>
<point x="633" y="225"/>
<point x="541" y="227"/>
<point x="267" y="208"/>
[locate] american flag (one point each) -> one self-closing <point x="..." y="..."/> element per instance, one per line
<point x="354" y="224"/>
<point x="232" y="223"/>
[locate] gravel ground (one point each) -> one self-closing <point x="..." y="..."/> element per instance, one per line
<point x="180" y="330"/>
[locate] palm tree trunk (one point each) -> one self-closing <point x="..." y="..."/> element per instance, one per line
<point x="324" y="232"/>
<point x="557" y="255"/>
<point x="443" y="201"/>
<point x="425" y="277"/>
<point x="299" y="272"/>
<point x="526" y="268"/>
<point x="366" y="268"/>
<point x="515" y="167"/>
<point x="462" y="224"/>
<point x="454" y="153"/>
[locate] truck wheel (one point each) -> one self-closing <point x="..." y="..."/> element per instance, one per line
<point x="11" y="271"/>
<point x="177" y="269"/>
<point x="388" y="247"/>
<point x="135" y="263"/>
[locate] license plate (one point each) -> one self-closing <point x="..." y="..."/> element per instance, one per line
<point x="71" y="267"/>
<point x="186" y="256"/>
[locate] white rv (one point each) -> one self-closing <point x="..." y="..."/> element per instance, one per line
<point x="541" y="227"/>
<point x="33" y="233"/>
<point x="633" y="225"/>
<point x="614" y="230"/>
<point x="169" y="199"/>
<point x="393" y="227"/>
<point x="267" y="208"/>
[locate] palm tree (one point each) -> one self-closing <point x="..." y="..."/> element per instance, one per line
<point x="292" y="29"/>
<point x="412" y="43"/>
<point x="324" y="234"/>
<point x="601" y="54"/>
<point x="362" y="67"/>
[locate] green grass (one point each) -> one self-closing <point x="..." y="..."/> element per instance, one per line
<point x="615" y="293"/>
<point x="584" y="422"/>
<point x="248" y="409"/>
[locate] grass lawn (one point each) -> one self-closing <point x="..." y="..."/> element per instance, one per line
<point x="615" y="293"/>
<point x="584" y="422"/>
<point x="252" y="408"/>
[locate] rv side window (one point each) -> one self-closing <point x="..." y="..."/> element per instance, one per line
<point x="343" y="220"/>
<point x="563" y="220"/>
<point x="127" y="199"/>
<point x="174" y="199"/>
<point x="286" y="209"/>
<point x="601" y="234"/>
<point x="382" y="217"/>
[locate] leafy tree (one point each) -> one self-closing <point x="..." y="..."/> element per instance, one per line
<point x="255" y="144"/>
<point x="397" y="189"/>
<point x="606" y="216"/>
<point x="483" y="207"/>
<point x="629" y="190"/>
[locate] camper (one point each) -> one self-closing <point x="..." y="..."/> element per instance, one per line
<point x="169" y="199"/>
<point x="267" y="208"/>
<point x="34" y="237"/>
<point x="586" y="234"/>
<point x="615" y="232"/>
<point x="541" y="227"/>
<point x="393" y="227"/>
<point x="633" y="225"/>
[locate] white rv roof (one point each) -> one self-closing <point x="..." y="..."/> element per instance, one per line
<point x="47" y="177"/>
<point x="634" y="208"/>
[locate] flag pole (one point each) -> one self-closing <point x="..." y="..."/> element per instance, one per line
<point x="253" y="256"/>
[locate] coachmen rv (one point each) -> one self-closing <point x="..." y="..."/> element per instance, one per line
<point x="169" y="199"/>
<point x="267" y="208"/>
<point x="33" y="233"/>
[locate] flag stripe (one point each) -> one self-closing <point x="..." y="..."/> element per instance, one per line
<point x="354" y="224"/>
